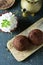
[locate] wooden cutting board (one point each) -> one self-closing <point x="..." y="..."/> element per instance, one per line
<point x="22" y="55"/>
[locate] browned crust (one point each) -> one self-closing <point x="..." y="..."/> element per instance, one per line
<point x="4" y="4"/>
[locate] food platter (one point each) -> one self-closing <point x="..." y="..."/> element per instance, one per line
<point x="20" y="56"/>
<point x="5" y="56"/>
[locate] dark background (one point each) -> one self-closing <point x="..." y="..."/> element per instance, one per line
<point x="5" y="56"/>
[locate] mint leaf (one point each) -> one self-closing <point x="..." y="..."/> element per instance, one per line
<point x="5" y="23"/>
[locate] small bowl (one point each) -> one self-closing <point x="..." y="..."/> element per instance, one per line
<point x="5" y="4"/>
<point x="12" y="29"/>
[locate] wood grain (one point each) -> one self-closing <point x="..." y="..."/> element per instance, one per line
<point x="22" y="55"/>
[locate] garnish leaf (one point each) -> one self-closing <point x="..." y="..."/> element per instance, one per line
<point x="5" y="23"/>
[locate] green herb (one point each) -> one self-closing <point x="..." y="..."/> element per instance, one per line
<point x="5" y="23"/>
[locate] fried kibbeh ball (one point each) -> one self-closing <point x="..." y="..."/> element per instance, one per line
<point x="36" y="36"/>
<point x="21" y="42"/>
